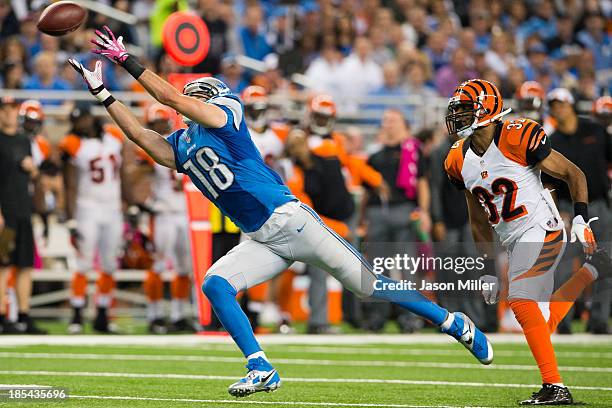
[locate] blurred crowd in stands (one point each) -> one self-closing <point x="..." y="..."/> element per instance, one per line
<point x="347" y="48"/>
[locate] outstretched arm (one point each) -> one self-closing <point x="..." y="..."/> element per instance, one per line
<point x="152" y="142"/>
<point x="558" y="166"/>
<point x="199" y="111"/>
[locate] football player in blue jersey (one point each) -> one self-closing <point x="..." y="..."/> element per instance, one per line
<point x="217" y="154"/>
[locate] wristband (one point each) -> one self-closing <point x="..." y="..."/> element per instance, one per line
<point x="489" y="267"/>
<point x="103" y="95"/>
<point x="132" y="65"/>
<point x="581" y="209"/>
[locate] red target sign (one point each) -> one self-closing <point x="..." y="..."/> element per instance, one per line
<point x="186" y="38"/>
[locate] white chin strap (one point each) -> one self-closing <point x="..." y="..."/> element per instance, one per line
<point x="470" y="130"/>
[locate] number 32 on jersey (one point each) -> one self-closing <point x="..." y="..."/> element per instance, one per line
<point x="500" y="187"/>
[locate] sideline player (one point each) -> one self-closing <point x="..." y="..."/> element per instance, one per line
<point x="170" y="232"/>
<point x="498" y="164"/>
<point x="219" y="156"/>
<point x="92" y="172"/>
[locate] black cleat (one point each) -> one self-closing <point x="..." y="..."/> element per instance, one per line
<point x="158" y="326"/>
<point x="101" y="323"/>
<point x="181" y="326"/>
<point x="28" y="327"/>
<point x="550" y="394"/>
<point x="601" y="261"/>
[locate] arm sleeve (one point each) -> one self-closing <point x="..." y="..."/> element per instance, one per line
<point x="173" y="139"/>
<point x="538" y="146"/>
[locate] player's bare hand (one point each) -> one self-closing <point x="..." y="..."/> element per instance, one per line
<point x="425" y="221"/>
<point x="27" y="165"/>
<point x="1" y="222"/>
<point x="581" y="231"/>
<point x="490" y="291"/>
<point x="109" y="46"/>
<point x="439" y="231"/>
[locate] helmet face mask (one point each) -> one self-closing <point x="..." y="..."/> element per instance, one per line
<point x="206" y="88"/>
<point x="321" y="124"/>
<point x="461" y="118"/>
<point x="256" y="114"/>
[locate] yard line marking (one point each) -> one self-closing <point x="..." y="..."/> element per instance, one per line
<point x="410" y="352"/>
<point x="285" y="379"/>
<point x="294" y="361"/>
<point x="284" y="403"/>
<point x="580" y="339"/>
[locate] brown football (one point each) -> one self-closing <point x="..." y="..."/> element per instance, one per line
<point x="61" y="18"/>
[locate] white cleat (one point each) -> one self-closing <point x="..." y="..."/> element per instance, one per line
<point x="260" y="377"/>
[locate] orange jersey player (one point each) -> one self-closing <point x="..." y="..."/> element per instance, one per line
<point x="93" y="157"/>
<point x="498" y="163"/>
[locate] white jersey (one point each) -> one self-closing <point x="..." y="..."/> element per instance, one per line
<point x="268" y="143"/>
<point x="167" y="189"/>
<point x="98" y="163"/>
<point x="505" y="178"/>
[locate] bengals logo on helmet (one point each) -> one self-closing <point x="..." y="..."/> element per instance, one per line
<point x="31" y="109"/>
<point x="475" y="103"/>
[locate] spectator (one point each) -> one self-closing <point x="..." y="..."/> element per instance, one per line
<point x="30" y="36"/>
<point x="12" y="51"/>
<point x="536" y="63"/>
<point x="12" y="76"/>
<point x="252" y="38"/>
<point x="18" y="171"/>
<point x="388" y="217"/>
<point x="564" y="39"/>
<point x="380" y="51"/>
<point x="596" y="40"/>
<point x="499" y="57"/>
<point x="415" y="28"/>
<point x="587" y="144"/>
<point x="417" y="87"/>
<point x="480" y="21"/>
<point x="322" y="73"/>
<point x="358" y="65"/>
<point x="231" y="74"/>
<point x="45" y="76"/>
<point x="9" y="25"/>
<point x="215" y="16"/>
<point x="454" y="73"/>
<point x="437" y="50"/>
<point x="542" y="24"/>
<point x="467" y="40"/>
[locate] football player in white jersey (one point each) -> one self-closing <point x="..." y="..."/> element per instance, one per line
<point x="266" y="136"/>
<point x="498" y="163"/>
<point x="92" y="172"/>
<point x="170" y="234"/>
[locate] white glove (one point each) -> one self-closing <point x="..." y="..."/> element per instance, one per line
<point x="581" y="231"/>
<point x="93" y="80"/>
<point x="491" y="293"/>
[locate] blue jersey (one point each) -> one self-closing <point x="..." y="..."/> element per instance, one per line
<point x="227" y="168"/>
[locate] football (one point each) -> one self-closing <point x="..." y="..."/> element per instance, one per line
<point x="61" y="18"/>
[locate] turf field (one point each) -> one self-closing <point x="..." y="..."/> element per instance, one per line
<point x="338" y="371"/>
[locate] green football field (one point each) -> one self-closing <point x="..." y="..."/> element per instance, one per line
<point x="360" y="374"/>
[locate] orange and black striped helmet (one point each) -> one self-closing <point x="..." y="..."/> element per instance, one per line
<point x="602" y="109"/>
<point x="475" y="103"/>
<point x="255" y="100"/>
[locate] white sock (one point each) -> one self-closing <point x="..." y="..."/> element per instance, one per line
<point x="257" y="355"/>
<point x="177" y="307"/>
<point x="559" y="384"/>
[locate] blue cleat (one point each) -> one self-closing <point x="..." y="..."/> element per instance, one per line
<point x="463" y="329"/>
<point x="260" y="377"/>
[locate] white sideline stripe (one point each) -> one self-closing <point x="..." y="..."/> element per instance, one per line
<point x="283" y="403"/>
<point x="284" y="379"/>
<point x="295" y="339"/>
<point x="413" y="352"/>
<point x="294" y="361"/>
